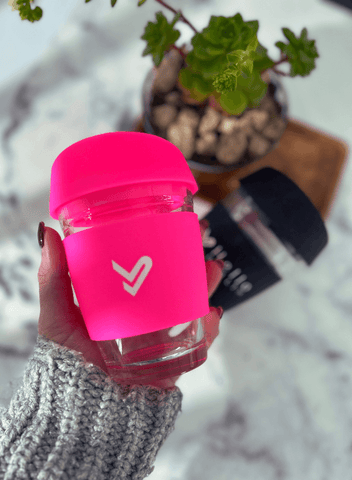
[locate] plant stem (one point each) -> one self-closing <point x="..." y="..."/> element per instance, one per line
<point x="283" y="74"/>
<point x="181" y="18"/>
<point x="284" y="58"/>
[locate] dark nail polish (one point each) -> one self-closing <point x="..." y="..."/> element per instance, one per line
<point x="41" y="234"/>
<point x="205" y="223"/>
<point x="221" y="263"/>
<point x="220" y="311"/>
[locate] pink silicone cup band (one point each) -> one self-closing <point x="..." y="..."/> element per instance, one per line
<point x="139" y="275"/>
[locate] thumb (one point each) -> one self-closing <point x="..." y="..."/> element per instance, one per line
<point x="57" y="307"/>
<point x="54" y="261"/>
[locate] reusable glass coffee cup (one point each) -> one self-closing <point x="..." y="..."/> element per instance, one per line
<point x="265" y="231"/>
<point x="134" y="251"/>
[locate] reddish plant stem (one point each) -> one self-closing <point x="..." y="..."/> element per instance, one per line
<point x="175" y="11"/>
<point x="284" y="58"/>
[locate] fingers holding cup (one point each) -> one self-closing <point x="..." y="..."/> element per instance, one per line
<point x="214" y="276"/>
<point x="213" y="268"/>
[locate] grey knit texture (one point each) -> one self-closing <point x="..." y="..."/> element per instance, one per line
<point x="70" y="421"/>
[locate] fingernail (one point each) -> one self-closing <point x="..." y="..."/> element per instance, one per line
<point x="220" y="311"/>
<point x="41" y="234"/>
<point x="221" y="263"/>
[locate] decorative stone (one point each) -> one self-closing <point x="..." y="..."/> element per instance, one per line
<point x="231" y="147"/>
<point x="189" y="117"/>
<point x="183" y="137"/>
<point x="173" y="98"/>
<point x="258" y="145"/>
<point x="274" y="130"/>
<point x="246" y="126"/>
<point x="259" y="119"/>
<point x="167" y="72"/>
<point x="268" y="104"/>
<point x="229" y="125"/>
<point x="206" y="144"/>
<point x="163" y="115"/>
<point x="246" y="118"/>
<point x="209" y="121"/>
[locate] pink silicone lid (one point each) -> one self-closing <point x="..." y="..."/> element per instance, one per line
<point x="115" y="159"/>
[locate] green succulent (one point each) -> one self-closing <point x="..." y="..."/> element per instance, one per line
<point x="227" y="59"/>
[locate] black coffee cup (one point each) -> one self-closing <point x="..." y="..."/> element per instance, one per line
<point x="263" y="231"/>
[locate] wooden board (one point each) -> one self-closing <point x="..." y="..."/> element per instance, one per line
<point x="312" y="159"/>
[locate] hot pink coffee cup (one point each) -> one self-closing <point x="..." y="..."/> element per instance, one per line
<point x="132" y="240"/>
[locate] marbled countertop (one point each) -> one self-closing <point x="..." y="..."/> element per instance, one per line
<point x="274" y="399"/>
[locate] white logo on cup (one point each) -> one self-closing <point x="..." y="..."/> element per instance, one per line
<point x="130" y="276"/>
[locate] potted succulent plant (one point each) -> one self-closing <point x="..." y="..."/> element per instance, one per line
<point x="211" y="139"/>
<point x="222" y="103"/>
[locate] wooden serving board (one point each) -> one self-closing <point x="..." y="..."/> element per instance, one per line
<point x="312" y="159"/>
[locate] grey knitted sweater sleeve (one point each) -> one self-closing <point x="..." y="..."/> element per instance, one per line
<point x="70" y="421"/>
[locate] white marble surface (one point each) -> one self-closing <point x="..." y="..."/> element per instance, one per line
<point x="274" y="399"/>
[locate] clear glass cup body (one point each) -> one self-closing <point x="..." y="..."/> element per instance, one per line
<point x="156" y="355"/>
<point x="281" y="255"/>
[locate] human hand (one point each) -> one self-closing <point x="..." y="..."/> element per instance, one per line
<point x="61" y="320"/>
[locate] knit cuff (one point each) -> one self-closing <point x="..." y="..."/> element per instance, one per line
<point x="69" y="416"/>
